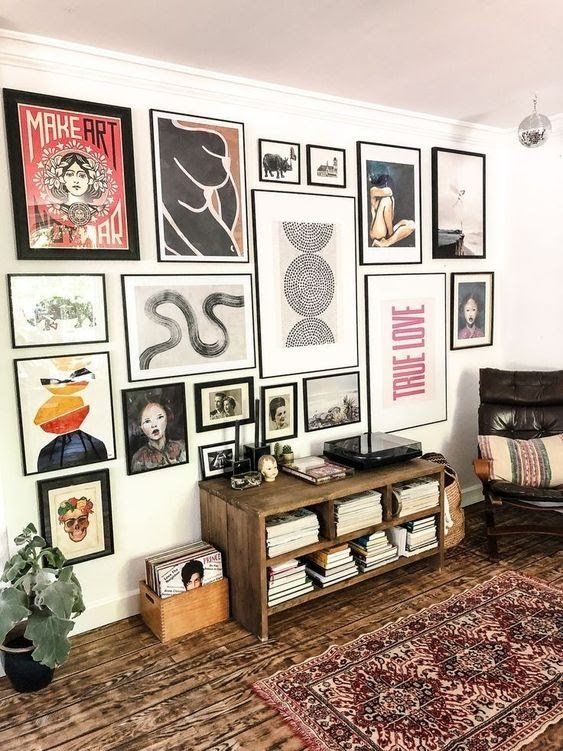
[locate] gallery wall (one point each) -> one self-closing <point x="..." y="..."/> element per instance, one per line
<point x="160" y="509"/>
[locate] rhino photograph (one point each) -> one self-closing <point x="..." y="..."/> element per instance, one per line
<point x="279" y="161"/>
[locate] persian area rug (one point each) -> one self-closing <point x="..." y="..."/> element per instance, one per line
<point x="478" y="672"/>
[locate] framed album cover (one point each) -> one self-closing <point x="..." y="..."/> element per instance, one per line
<point x="279" y="411"/>
<point x="406" y="350"/>
<point x="75" y="513"/>
<point x="472" y="310"/>
<point x="73" y="178"/>
<point x="200" y="188"/>
<point x="52" y="309"/>
<point x="331" y="401"/>
<point x="220" y="404"/>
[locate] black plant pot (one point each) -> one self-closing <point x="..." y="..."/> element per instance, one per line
<point x="24" y="673"/>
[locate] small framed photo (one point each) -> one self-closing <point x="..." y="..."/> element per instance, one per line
<point x="472" y="301"/>
<point x="326" y="166"/>
<point x="331" y="401"/>
<point x="75" y="512"/>
<point x="216" y="459"/>
<point x="279" y="412"/>
<point x="279" y="162"/>
<point x="73" y="178"/>
<point x="156" y="433"/>
<point x="458" y="204"/>
<point x="65" y="411"/>
<point x="51" y="309"/>
<point x="219" y="404"/>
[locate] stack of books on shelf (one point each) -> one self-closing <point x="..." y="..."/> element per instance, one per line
<point x="416" y="495"/>
<point x="291" y="530"/>
<point x="357" y="511"/>
<point x="182" y="569"/>
<point x="287" y="580"/>
<point x="326" y="567"/>
<point x="415" y="537"/>
<point x="371" y="551"/>
<point x="317" y="469"/>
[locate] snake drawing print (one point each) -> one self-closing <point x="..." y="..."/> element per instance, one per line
<point x="211" y="301"/>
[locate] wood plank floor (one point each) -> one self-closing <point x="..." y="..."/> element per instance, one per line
<point x="122" y="690"/>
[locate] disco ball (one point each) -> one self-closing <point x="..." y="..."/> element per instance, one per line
<point x="534" y="130"/>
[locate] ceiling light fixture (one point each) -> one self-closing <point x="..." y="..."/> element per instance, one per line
<point x="534" y="130"/>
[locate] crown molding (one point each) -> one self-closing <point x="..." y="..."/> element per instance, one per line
<point x="57" y="57"/>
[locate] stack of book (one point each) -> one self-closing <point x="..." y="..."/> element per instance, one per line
<point x="291" y="530"/>
<point x="357" y="511"/>
<point x="184" y="568"/>
<point x="416" y="495"/>
<point x="326" y="567"/>
<point x="371" y="551"/>
<point x="316" y="469"/>
<point x="415" y="537"/>
<point x="287" y="580"/>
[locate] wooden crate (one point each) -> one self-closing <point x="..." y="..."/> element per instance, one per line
<point x="184" y="613"/>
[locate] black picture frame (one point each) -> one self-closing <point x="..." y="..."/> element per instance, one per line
<point x="399" y="254"/>
<point x="330" y="418"/>
<point x="268" y="435"/>
<point x="227" y="469"/>
<point x="437" y="252"/>
<point x="103" y="138"/>
<point x="215" y="423"/>
<point x="239" y="181"/>
<point x="15" y="345"/>
<point x="53" y="535"/>
<point x="172" y="398"/>
<point x="275" y="167"/>
<point x="93" y="446"/>
<point x="486" y="300"/>
<point x="326" y="184"/>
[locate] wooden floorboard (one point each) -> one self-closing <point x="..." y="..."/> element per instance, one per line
<point x="122" y="690"/>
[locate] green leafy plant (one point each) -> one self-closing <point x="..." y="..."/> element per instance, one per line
<point x="287" y="449"/>
<point x="41" y="591"/>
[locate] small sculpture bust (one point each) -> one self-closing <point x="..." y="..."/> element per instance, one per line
<point x="268" y="467"/>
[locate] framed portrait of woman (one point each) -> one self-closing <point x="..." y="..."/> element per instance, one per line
<point x="279" y="411"/>
<point x="156" y="433"/>
<point x="73" y="178"/>
<point x="389" y="203"/>
<point x="472" y="301"/>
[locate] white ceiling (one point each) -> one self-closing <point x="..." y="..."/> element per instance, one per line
<point x="477" y="60"/>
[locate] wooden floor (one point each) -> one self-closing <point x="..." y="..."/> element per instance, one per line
<point x="122" y="689"/>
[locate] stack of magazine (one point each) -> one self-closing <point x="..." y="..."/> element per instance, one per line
<point x="180" y="569"/>
<point x="416" y="495"/>
<point x="371" y="551"/>
<point x="287" y="580"/>
<point x="326" y="567"/>
<point x="317" y="469"/>
<point x="291" y="530"/>
<point x="415" y="537"/>
<point x="357" y="511"/>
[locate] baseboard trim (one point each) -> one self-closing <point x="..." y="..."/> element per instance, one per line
<point x="472" y="494"/>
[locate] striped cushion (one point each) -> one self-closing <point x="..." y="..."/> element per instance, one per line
<point x="537" y="463"/>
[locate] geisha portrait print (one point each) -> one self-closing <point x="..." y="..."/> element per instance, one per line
<point x="73" y="181"/>
<point x="200" y="192"/>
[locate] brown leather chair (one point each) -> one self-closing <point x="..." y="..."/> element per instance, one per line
<point x="519" y="404"/>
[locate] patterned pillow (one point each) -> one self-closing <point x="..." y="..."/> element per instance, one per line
<point x="537" y="463"/>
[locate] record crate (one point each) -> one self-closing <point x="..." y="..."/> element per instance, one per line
<point x="186" y="612"/>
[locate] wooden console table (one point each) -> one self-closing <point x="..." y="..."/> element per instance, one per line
<point x="235" y="522"/>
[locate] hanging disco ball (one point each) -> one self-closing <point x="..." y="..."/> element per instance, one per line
<point x="534" y="130"/>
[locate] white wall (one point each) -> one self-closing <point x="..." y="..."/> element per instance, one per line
<point x="160" y="509"/>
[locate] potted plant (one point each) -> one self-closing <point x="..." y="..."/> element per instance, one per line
<point x="287" y="455"/>
<point x="39" y="598"/>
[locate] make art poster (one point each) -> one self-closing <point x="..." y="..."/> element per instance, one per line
<point x="73" y="180"/>
<point x="200" y="188"/>
<point x="305" y="246"/>
<point x="406" y="336"/>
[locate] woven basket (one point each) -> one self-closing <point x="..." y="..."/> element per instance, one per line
<point x="456" y="533"/>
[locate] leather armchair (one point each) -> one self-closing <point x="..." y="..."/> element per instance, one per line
<point x="519" y="404"/>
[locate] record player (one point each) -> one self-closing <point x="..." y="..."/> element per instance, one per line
<point x="371" y="450"/>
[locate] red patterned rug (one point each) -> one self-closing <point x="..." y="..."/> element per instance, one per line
<point x="478" y="672"/>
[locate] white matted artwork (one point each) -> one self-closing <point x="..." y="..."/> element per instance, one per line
<point x="306" y="259"/>
<point x="406" y="339"/>
<point x="50" y="309"/>
<point x="472" y="303"/>
<point x="188" y="324"/>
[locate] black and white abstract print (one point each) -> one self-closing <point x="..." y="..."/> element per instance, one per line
<point x="307" y="260"/>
